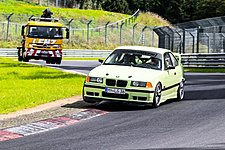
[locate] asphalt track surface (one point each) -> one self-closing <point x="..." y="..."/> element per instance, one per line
<point x="197" y="122"/>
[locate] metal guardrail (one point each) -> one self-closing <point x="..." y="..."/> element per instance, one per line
<point x="12" y="52"/>
<point x="202" y="60"/>
<point x="210" y="60"/>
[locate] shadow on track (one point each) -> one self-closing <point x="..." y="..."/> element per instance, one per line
<point x="114" y="106"/>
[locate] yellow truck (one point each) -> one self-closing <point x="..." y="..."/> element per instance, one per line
<point x="42" y="39"/>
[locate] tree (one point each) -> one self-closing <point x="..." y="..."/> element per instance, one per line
<point x="120" y="6"/>
<point x="210" y="8"/>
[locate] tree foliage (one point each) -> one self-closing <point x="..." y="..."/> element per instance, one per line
<point x="173" y="10"/>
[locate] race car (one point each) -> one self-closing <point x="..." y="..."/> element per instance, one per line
<point x="136" y="74"/>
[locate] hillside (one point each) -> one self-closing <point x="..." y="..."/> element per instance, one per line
<point x="23" y="10"/>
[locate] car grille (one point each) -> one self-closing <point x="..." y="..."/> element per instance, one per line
<point x="111" y="95"/>
<point x="118" y="83"/>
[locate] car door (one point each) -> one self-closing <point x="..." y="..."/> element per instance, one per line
<point x="170" y="74"/>
<point x="177" y="71"/>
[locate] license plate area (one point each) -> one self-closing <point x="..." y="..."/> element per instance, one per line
<point x="115" y="91"/>
<point x="43" y="53"/>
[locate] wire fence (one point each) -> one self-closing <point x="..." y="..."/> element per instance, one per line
<point x="122" y="32"/>
<point x="201" y="36"/>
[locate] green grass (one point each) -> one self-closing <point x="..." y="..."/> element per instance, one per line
<point x="23" y="10"/>
<point x="205" y="70"/>
<point x="24" y="85"/>
<point x="80" y="58"/>
<point x="20" y="7"/>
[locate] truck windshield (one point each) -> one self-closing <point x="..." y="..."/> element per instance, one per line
<point x="45" y="32"/>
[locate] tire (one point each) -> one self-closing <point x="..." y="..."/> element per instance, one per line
<point x="20" y="58"/>
<point x="58" y="60"/>
<point x="25" y="59"/>
<point x="48" y="61"/>
<point x="157" y="95"/>
<point x="180" y="91"/>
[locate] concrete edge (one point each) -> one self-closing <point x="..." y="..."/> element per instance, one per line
<point x="40" y="108"/>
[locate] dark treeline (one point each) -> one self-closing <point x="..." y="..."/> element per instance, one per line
<point x="175" y="11"/>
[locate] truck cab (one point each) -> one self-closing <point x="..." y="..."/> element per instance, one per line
<point x="42" y="39"/>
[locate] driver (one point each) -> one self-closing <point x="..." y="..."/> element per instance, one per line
<point x="129" y="59"/>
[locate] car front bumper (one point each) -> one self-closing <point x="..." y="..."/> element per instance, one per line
<point x="94" y="93"/>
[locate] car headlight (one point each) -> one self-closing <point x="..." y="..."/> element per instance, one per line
<point x="141" y="84"/>
<point x="94" y="79"/>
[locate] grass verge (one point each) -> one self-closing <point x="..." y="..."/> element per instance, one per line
<point x="24" y="85"/>
<point x="81" y="58"/>
<point x="205" y="70"/>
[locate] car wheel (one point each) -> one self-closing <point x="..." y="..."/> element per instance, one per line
<point x="157" y="95"/>
<point x="180" y="91"/>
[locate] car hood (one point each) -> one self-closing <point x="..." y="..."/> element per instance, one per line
<point x="125" y="72"/>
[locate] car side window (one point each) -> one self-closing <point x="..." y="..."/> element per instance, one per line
<point x="167" y="61"/>
<point x="173" y="59"/>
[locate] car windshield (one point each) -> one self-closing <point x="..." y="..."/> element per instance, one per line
<point x="45" y="32"/>
<point x="135" y="58"/>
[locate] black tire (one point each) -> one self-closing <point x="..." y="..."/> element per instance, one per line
<point x="20" y="58"/>
<point x="48" y="61"/>
<point x="180" y="91"/>
<point x="25" y="59"/>
<point x="58" y="60"/>
<point x="157" y="95"/>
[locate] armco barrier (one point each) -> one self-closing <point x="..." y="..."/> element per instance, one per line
<point x="202" y="60"/>
<point x="12" y="52"/>
<point x="213" y="60"/>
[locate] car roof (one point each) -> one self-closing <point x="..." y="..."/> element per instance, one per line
<point x="145" y="48"/>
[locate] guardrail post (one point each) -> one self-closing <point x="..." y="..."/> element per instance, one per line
<point x="8" y="21"/>
<point x="121" y="26"/>
<point x="88" y="27"/>
<point x="133" y="36"/>
<point x="106" y="32"/>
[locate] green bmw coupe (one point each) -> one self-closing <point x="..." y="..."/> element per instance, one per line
<point x="136" y="74"/>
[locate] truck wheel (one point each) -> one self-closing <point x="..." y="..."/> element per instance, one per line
<point x="20" y="58"/>
<point x="58" y="60"/>
<point x="48" y="61"/>
<point x="25" y="59"/>
<point x="53" y="60"/>
<point x="20" y="55"/>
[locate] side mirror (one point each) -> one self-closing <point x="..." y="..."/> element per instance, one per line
<point x="67" y="33"/>
<point x="100" y="60"/>
<point x="22" y="31"/>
